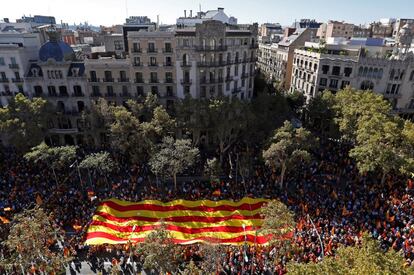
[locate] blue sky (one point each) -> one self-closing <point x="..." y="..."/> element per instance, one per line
<point x="108" y="12"/>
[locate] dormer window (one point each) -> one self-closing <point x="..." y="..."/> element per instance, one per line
<point x="75" y="71"/>
<point x="35" y="72"/>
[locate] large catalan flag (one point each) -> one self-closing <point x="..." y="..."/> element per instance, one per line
<point x="224" y="222"/>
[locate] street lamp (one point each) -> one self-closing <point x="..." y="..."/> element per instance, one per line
<point x="317" y="233"/>
<point x="131" y="259"/>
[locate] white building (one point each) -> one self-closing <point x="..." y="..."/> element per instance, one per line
<point x="200" y="17"/>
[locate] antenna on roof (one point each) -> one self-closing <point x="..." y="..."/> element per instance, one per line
<point x="199" y="6"/>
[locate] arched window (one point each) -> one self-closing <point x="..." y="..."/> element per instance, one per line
<point x="367" y="85"/>
<point x="369" y="73"/>
<point x="360" y="71"/>
<point x="365" y="72"/>
<point x="375" y="73"/>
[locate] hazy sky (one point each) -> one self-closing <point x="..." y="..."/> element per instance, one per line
<point x="108" y="12"/>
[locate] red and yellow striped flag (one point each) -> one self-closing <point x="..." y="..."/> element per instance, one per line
<point x="187" y="221"/>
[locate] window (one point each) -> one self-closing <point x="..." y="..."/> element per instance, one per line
<point x="154" y="77"/>
<point x="348" y="72"/>
<point x="52" y="90"/>
<point x="137" y="61"/>
<point x="118" y="45"/>
<point x="140" y="91"/>
<point x="38" y="91"/>
<point x="168" y="48"/>
<point x="344" y="84"/>
<point x="77" y="90"/>
<point x="138" y="77"/>
<point x="168" y="61"/>
<point x="154" y="90"/>
<point x="136" y="47"/>
<point x="170" y="91"/>
<point x="236" y="70"/>
<point x="108" y="76"/>
<point x="20" y="88"/>
<point x="151" y="47"/>
<point x="203" y="92"/>
<point x="123" y="76"/>
<point x="96" y="91"/>
<point x="13" y="60"/>
<point x="325" y="69"/>
<point x="168" y="77"/>
<point x="186" y="90"/>
<point x="92" y="75"/>
<point x="2" y="63"/>
<point x="110" y="91"/>
<point x="63" y="91"/>
<point x="323" y="82"/>
<point x="367" y="85"/>
<point x="153" y="61"/>
<point x="333" y="84"/>
<point x="185" y="60"/>
<point x="3" y="75"/>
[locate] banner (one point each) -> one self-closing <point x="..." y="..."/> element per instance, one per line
<point x="221" y="222"/>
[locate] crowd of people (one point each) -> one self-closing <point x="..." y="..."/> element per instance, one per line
<point x="327" y="194"/>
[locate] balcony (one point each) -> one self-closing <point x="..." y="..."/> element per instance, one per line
<point x="169" y="81"/>
<point x="211" y="48"/>
<point x="139" y="80"/>
<point x="244" y="75"/>
<point x="185" y="64"/>
<point x="168" y="64"/>
<point x="96" y="94"/>
<point x="229" y="78"/>
<point x="14" y="66"/>
<point x="395" y="95"/>
<point x="151" y="50"/>
<point x="78" y="94"/>
<point x="211" y="64"/>
<point x="167" y="50"/>
<point x="125" y="94"/>
<point x="94" y="80"/>
<point x="153" y="81"/>
<point x="254" y="46"/>
<point x="4" y="80"/>
<point x="137" y="64"/>
<point x="108" y="80"/>
<point x="63" y="95"/>
<point x="136" y="50"/>
<point x="123" y="80"/>
<point x="186" y="81"/>
<point x="152" y="64"/>
<point x="110" y="95"/>
<point x="17" y="80"/>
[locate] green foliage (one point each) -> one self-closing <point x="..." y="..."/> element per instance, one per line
<point x="320" y="114"/>
<point x="173" y="157"/>
<point x="296" y="100"/>
<point x="191" y="269"/>
<point x="366" y="259"/>
<point x="352" y="105"/>
<point x="159" y="252"/>
<point x="32" y="242"/>
<point x="289" y="146"/>
<point x="56" y="157"/>
<point x="101" y="162"/>
<point x="24" y="121"/>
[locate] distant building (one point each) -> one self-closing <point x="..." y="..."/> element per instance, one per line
<point x="37" y="19"/>
<point x="219" y="15"/>
<point x="336" y="29"/>
<point x="135" y="24"/>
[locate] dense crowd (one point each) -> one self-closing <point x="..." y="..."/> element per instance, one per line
<point x="328" y="191"/>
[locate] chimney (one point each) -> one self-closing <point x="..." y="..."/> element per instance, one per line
<point x="191" y="13"/>
<point x="220" y="9"/>
<point x="185" y="13"/>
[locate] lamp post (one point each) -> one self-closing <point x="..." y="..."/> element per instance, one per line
<point x="131" y="259"/>
<point x="317" y="233"/>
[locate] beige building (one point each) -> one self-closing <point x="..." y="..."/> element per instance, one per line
<point x="214" y="60"/>
<point x="276" y="61"/>
<point x="369" y="68"/>
<point x="336" y="29"/>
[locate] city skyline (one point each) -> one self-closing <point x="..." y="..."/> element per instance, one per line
<point x="102" y="12"/>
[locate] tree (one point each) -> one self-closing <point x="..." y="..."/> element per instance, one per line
<point x="289" y="146"/>
<point x="24" y="121"/>
<point x="296" y="100"/>
<point x="159" y="251"/>
<point x="55" y="157"/>
<point x="320" y="114"/>
<point x="378" y="144"/>
<point x="191" y="269"/>
<point x="32" y="244"/>
<point x="364" y="259"/>
<point x="352" y="105"/>
<point x="227" y="120"/>
<point x="100" y="162"/>
<point x="173" y="157"/>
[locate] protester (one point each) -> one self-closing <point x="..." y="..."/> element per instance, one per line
<point x="329" y="192"/>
